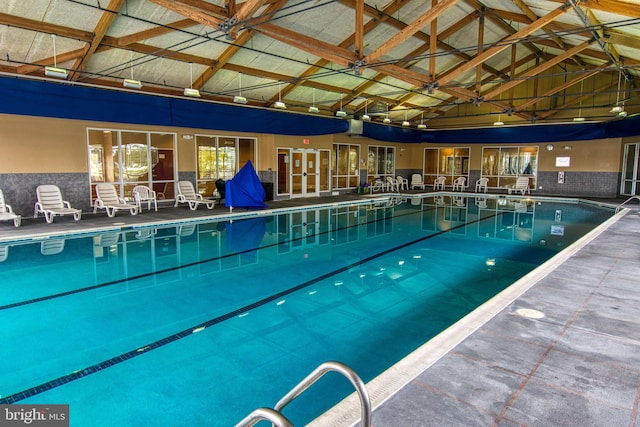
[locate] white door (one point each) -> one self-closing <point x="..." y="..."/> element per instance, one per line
<point x="305" y="176"/>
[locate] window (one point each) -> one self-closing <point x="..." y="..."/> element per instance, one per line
<point x="450" y="162"/>
<point x="344" y="163"/>
<point x="127" y="159"/>
<point x="380" y="163"/>
<point x="220" y="157"/>
<point x="504" y="164"/>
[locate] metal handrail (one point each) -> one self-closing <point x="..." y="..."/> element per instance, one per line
<point x="265" y="414"/>
<point x="625" y="202"/>
<point x="275" y="415"/>
<point x="314" y="376"/>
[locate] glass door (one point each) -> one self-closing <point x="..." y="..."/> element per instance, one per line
<point x="305" y="176"/>
<point x="630" y="185"/>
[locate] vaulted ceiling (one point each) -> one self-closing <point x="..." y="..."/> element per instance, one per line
<point x="444" y="63"/>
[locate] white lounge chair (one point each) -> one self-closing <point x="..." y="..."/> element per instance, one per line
<point x="186" y="194"/>
<point x="108" y="199"/>
<point x="7" y="214"/>
<point x="378" y="185"/>
<point x="459" y="183"/>
<point x="482" y="184"/>
<point x="439" y="183"/>
<point x="50" y="204"/>
<point x="52" y="246"/>
<point x="141" y="194"/>
<point x="417" y="182"/>
<point x="521" y="185"/>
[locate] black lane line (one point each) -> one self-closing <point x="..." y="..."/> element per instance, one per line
<point x="166" y="270"/>
<point x="16" y="397"/>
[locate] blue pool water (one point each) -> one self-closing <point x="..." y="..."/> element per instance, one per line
<point x="199" y="324"/>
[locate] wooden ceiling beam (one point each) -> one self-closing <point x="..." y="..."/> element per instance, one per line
<point x="153" y="32"/>
<point x="190" y="11"/>
<point x="99" y="31"/>
<point x="45" y="27"/>
<point x="410" y="29"/>
<point x="574" y="101"/>
<point x="560" y="88"/>
<point x="617" y="7"/>
<point x="502" y="45"/>
<point x="536" y="70"/>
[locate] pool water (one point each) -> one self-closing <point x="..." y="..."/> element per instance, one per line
<point x="199" y="324"/>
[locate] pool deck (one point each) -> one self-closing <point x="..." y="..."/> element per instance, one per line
<point x="561" y="347"/>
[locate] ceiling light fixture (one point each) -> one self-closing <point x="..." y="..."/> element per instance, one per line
<point x="366" y="117"/>
<point x="340" y="112"/>
<point x="279" y="104"/>
<point x="131" y="83"/>
<point x="580" y="118"/>
<point x="54" y="71"/>
<point x="499" y="122"/>
<point x="387" y="120"/>
<point x="239" y="99"/>
<point x="421" y="125"/>
<point x="190" y="91"/>
<point x="313" y="108"/>
<point x="618" y="108"/>
<point x="405" y="123"/>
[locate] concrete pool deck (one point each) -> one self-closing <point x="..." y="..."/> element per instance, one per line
<point x="559" y="347"/>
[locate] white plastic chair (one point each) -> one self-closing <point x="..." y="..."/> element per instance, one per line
<point x="50" y="203"/>
<point x="186" y="194"/>
<point x="141" y="194"/>
<point x="6" y="212"/>
<point x="417" y="182"/>
<point x="482" y="184"/>
<point x="108" y="199"/>
<point x="402" y="183"/>
<point x="392" y="184"/>
<point x="459" y="183"/>
<point x="439" y="183"/>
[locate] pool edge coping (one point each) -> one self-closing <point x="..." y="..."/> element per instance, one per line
<point x="347" y="412"/>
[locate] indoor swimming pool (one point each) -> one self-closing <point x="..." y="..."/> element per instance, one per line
<point x="200" y="323"/>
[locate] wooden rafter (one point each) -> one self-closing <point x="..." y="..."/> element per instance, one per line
<point x="410" y="29"/>
<point x="99" y="31"/>
<point x="536" y="70"/>
<point x="560" y="88"/>
<point x="504" y="44"/>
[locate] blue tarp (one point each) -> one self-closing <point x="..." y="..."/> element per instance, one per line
<point x="245" y="189"/>
<point x="71" y="101"/>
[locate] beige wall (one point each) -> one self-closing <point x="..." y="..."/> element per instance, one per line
<point x="35" y="144"/>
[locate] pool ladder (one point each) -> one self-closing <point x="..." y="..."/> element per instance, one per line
<point x="626" y="201"/>
<point x="275" y="415"/>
